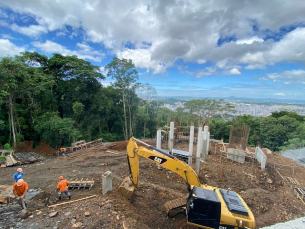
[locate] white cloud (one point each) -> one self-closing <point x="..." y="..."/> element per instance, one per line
<point x="263" y="79"/>
<point x="9" y="49"/>
<point x="290" y="77"/>
<point x="190" y="30"/>
<point x="205" y="72"/>
<point x="85" y="51"/>
<point x="279" y="94"/>
<point x="253" y="58"/>
<point x="249" y="40"/>
<point x="142" y="59"/>
<point x="234" y="71"/>
<point x="31" y="31"/>
<point x="6" y="36"/>
<point x="97" y="37"/>
<point x="201" y="61"/>
<point x="288" y="49"/>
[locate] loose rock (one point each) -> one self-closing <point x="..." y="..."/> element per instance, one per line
<point x="53" y="214"/>
<point x="79" y="224"/>
<point x="24" y="214"/>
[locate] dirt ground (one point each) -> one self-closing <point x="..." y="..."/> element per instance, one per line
<point x="264" y="191"/>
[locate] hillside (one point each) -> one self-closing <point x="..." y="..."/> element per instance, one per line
<point x="264" y="191"/>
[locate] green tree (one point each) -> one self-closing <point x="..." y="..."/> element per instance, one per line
<point x="254" y="124"/>
<point x="58" y="131"/>
<point x="279" y="114"/>
<point x="126" y="76"/>
<point x="16" y="82"/>
<point x="147" y="93"/>
<point x="273" y="134"/>
<point x="76" y="82"/>
<point x="206" y="108"/>
<point x="220" y="129"/>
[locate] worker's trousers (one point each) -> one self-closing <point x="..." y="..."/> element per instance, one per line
<point x="67" y="193"/>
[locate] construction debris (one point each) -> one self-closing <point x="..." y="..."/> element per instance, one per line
<point x="83" y="145"/>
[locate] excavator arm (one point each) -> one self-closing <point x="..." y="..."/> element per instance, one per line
<point x="158" y="156"/>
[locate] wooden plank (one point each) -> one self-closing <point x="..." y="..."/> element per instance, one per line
<point x="81" y="182"/>
<point x="91" y="185"/>
<point x="85" y="184"/>
<point x="80" y="185"/>
<point x="69" y="202"/>
<point x="296" y="181"/>
<point x="281" y="177"/>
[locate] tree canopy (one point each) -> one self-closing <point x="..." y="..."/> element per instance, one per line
<point x="61" y="99"/>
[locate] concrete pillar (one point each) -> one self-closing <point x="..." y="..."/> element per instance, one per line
<point x="159" y="138"/>
<point x="205" y="145"/>
<point x="106" y="182"/>
<point x="171" y="138"/>
<point x="199" y="147"/>
<point x="190" y="158"/>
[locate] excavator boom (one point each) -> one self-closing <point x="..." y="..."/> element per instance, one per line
<point x="160" y="157"/>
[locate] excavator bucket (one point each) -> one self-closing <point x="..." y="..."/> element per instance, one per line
<point x="126" y="188"/>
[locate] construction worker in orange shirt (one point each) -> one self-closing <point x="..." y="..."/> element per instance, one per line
<point x="63" y="187"/>
<point x="20" y="188"/>
<point x="63" y="151"/>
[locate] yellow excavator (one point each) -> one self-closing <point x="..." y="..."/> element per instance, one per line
<point x="205" y="207"/>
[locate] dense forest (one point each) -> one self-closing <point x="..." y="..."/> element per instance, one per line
<point x="61" y="99"/>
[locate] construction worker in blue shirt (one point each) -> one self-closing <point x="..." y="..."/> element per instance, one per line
<point x="19" y="175"/>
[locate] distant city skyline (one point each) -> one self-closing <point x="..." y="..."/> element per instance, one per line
<point x="257" y="110"/>
<point x="250" y="49"/>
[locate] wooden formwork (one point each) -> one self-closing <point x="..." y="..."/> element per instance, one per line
<point x="292" y="182"/>
<point x="289" y="181"/>
<point x="295" y="185"/>
<point x="78" y="184"/>
<point x="181" y="137"/>
<point x="299" y="193"/>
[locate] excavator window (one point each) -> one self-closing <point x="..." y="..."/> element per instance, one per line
<point x="203" y="210"/>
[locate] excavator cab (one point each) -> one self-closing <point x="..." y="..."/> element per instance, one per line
<point x="203" y="208"/>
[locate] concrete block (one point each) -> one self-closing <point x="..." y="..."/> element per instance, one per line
<point x="236" y="155"/>
<point x="106" y="182"/>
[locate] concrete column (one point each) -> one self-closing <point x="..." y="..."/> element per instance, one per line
<point x="205" y="146"/>
<point x="190" y="158"/>
<point x="171" y="138"/>
<point x="159" y="138"/>
<point x="106" y="182"/>
<point x="199" y="147"/>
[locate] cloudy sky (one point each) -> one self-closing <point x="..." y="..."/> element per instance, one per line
<point x="215" y="48"/>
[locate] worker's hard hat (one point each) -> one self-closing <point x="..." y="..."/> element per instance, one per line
<point x="19" y="170"/>
<point x="60" y="177"/>
<point x="20" y="182"/>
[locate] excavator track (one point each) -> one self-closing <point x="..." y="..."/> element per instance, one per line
<point x="174" y="207"/>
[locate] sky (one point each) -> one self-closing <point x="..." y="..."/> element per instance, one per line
<point x="196" y="48"/>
